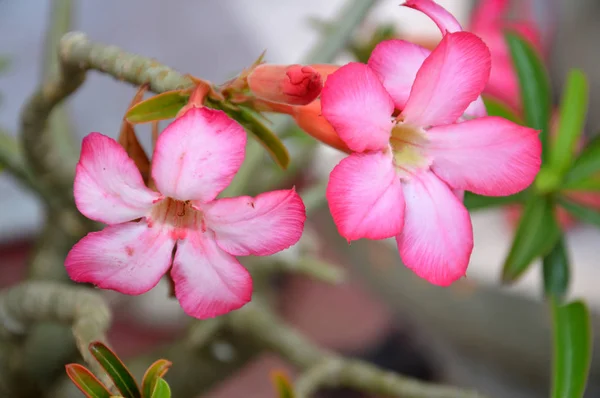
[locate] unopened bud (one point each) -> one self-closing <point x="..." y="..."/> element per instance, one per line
<point x="325" y="70"/>
<point x="310" y="119"/>
<point x="288" y="84"/>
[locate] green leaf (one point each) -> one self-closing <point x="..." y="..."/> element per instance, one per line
<point x="572" y="349"/>
<point x="536" y="235"/>
<point x="152" y="375"/>
<point x="497" y="108"/>
<point x="591" y="184"/>
<point x="573" y="110"/>
<point x="117" y="371"/>
<point x="583" y="213"/>
<point x="87" y="382"/>
<point x="586" y="165"/>
<point x="282" y="385"/>
<point x="161" y="390"/>
<point x="253" y="123"/>
<point x="534" y="84"/>
<point x="556" y="271"/>
<point x="477" y="202"/>
<point x="160" y="107"/>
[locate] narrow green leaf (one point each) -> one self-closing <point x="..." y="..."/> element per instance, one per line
<point x="534" y="84"/>
<point x="497" y="108"/>
<point x="573" y="110"/>
<point x="536" y="235"/>
<point x="591" y="184"/>
<point x="152" y="375"/>
<point x="282" y="385"/>
<point x="572" y="349"/>
<point x="583" y="213"/>
<point x="87" y="382"/>
<point x="253" y="123"/>
<point x="477" y="202"/>
<point x="161" y="390"/>
<point x="160" y="107"/>
<point x="117" y="371"/>
<point x="587" y="164"/>
<point x="556" y="271"/>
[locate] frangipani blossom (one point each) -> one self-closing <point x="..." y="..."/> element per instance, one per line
<point x="182" y="227"/>
<point x="406" y="176"/>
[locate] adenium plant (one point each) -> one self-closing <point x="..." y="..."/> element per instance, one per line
<point x="412" y="121"/>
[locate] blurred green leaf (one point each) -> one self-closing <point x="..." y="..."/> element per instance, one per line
<point x="573" y="110"/>
<point x="161" y="390"/>
<point x="282" y="385"/>
<point x="253" y="123"/>
<point x="152" y="375"/>
<point x="536" y="235"/>
<point x="362" y="50"/>
<point x="117" y="371"/>
<point x="582" y="212"/>
<point x="476" y="202"/>
<point x="534" y="84"/>
<point x="591" y="184"/>
<point x="572" y="349"/>
<point x="160" y="107"/>
<point x="497" y="108"/>
<point x="556" y="270"/>
<point x="87" y="382"/>
<point x="586" y="165"/>
<point x="4" y="63"/>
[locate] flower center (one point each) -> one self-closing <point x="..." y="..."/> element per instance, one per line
<point x="178" y="216"/>
<point x="409" y="148"/>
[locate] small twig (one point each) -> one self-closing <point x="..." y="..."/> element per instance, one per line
<point x="362" y="376"/>
<point x="258" y="324"/>
<point x="12" y="158"/>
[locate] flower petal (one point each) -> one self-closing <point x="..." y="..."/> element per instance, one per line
<point x="442" y="18"/>
<point x="365" y="197"/>
<point x="261" y="226"/>
<point x="129" y="258"/>
<point x="437" y="239"/>
<point x="476" y="109"/>
<point x="198" y="154"/>
<point x="396" y="62"/>
<point x="356" y="104"/>
<point x="488" y="156"/>
<point x="208" y="281"/>
<point x="108" y="186"/>
<point x="450" y="79"/>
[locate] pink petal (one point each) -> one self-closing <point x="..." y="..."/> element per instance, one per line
<point x="442" y="18"/>
<point x="208" y="281"/>
<point x="450" y="79"/>
<point x="356" y="104"/>
<point x="476" y="109"/>
<point x="129" y="258"/>
<point x="437" y="239"/>
<point x="261" y="226"/>
<point x="396" y="62"/>
<point x="198" y="154"/>
<point x="488" y="15"/>
<point x="488" y="156"/>
<point x="108" y="186"/>
<point x="365" y="197"/>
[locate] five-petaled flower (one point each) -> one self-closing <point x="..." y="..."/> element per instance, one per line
<point x="182" y="227"/>
<point x="406" y="176"/>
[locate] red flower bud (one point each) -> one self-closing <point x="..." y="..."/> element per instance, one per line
<point x="288" y="84"/>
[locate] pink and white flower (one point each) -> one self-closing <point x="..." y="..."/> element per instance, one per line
<point x="182" y="228"/>
<point x="406" y="176"/>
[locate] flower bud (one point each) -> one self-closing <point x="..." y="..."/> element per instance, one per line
<point x="310" y="119"/>
<point x="288" y="84"/>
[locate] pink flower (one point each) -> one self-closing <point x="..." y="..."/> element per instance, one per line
<point x="405" y="176"/>
<point x="183" y="227"/>
<point x="489" y="20"/>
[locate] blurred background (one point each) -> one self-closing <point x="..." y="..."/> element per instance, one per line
<point x="474" y="334"/>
